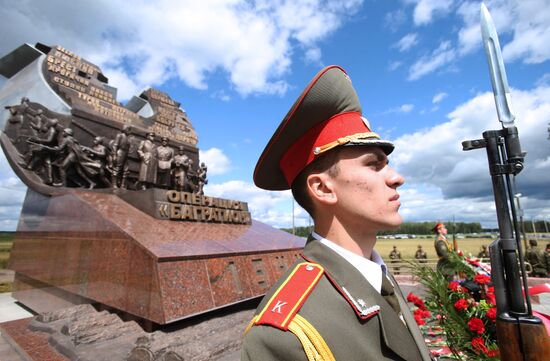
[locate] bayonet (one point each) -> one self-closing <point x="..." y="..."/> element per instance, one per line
<point x="499" y="81"/>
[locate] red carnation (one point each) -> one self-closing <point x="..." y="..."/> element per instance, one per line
<point x="490" y="297"/>
<point x="482" y="279"/>
<point x="455" y="286"/>
<point x="492" y="314"/>
<point x="411" y="297"/>
<point x="419" y="320"/>
<point x="479" y="345"/>
<point x="461" y="305"/>
<point x="421" y="313"/>
<point x="476" y="325"/>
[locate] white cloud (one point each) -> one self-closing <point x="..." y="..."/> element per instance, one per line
<point x="273" y="208"/>
<point x="394" y="65"/>
<point x="434" y="164"/>
<point x="146" y="44"/>
<point x="426" y="10"/>
<point x="440" y="57"/>
<point x="313" y="56"/>
<point x="405" y="108"/>
<point x="393" y="20"/>
<point x="406" y="42"/>
<point x="216" y="161"/>
<point x="528" y="22"/>
<point x="439" y="97"/>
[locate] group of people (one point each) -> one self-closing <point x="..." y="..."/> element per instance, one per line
<point x="162" y="167"/>
<point x="538" y="259"/>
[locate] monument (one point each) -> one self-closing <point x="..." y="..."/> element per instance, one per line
<point x="115" y="213"/>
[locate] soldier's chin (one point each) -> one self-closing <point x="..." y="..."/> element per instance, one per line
<point x="393" y="223"/>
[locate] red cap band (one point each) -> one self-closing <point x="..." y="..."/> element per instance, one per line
<point x="301" y="153"/>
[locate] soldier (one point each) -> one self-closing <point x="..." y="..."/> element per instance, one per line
<point x="181" y="166"/>
<point x="395" y="257"/>
<point x="442" y="248"/>
<point x="70" y="155"/>
<point x="202" y="180"/>
<point x="537" y="259"/>
<point x="165" y="156"/>
<point x="547" y="258"/>
<point x="121" y="147"/>
<point x="484" y="252"/>
<point x="99" y="154"/>
<point x="338" y="301"/>
<point x="40" y="153"/>
<point x="420" y="254"/>
<point x="148" y="166"/>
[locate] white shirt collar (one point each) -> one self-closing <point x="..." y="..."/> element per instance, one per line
<point x="372" y="269"/>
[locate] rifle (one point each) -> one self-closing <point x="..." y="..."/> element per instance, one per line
<point x="520" y="335"/>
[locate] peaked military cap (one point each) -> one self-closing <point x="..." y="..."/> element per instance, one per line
<point x="326" y="115"/>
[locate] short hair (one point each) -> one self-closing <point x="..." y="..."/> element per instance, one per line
<point x="533" y="242"/>
<point x="328" y="162"/>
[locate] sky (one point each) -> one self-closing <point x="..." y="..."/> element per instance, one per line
<point x="237" y="66"/>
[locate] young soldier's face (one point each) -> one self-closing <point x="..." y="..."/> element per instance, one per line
<point x="366" y="189"/>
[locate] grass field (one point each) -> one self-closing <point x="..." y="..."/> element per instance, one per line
<point x="408" y="247"/>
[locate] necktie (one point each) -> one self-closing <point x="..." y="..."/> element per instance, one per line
<point x="388" y="293"/>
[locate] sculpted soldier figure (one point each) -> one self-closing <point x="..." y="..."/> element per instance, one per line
<point x="40" y="153"/>
<point x="202" y="180"/>
<point x="148" y="166"/>
<point x="181" y="166"/>
<point x="18" y="112"/>
<point x="165" y="155"/>
<point x="99" y="154"/>
<point x="337" y="302"/>
<point x="69" y="155"/>
<point x="121" y="147"/>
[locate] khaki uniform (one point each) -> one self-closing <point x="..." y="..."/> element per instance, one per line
<point x="334" y="310"/>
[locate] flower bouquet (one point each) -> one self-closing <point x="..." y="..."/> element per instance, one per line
<point x="464" y="308"/>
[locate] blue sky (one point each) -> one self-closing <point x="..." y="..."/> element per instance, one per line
<point x="237" y="66"/>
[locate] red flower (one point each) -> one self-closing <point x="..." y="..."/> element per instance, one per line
<point x="482" y="279"/>
<point x="476" y="325"/>
<point x="479" y="345"/>
<point x="417" y="301"/>
<point x="492" y="314"/>
<point x="411" y="297"/>
<point x="461" y="305"/>
<point x="421" y="313"/>
<point x="490" y="297"/>
<point x="493" y="353"/>
<point x="419" y="320"/>
<point x="455" y="286"/>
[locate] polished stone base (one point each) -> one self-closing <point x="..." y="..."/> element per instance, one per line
<point x="92" y="247"/>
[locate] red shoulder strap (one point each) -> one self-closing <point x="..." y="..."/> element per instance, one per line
<point x="289" y="297"/>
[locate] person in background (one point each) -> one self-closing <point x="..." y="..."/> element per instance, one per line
<point x="395" y="257"/>
<point x="537" y="260"/>
<point x="484" y="252"/>
<point x="421" y="255"/>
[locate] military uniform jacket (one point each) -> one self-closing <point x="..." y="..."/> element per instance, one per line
<point x="347" y="314"/>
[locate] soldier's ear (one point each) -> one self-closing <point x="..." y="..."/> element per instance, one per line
<point x="320" y="187"/>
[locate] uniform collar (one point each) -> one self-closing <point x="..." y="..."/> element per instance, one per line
<point x="372" y="270"/>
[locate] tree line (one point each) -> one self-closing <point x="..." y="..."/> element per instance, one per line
<point x="410" y="228"/>
<point x="540" y="226"/>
